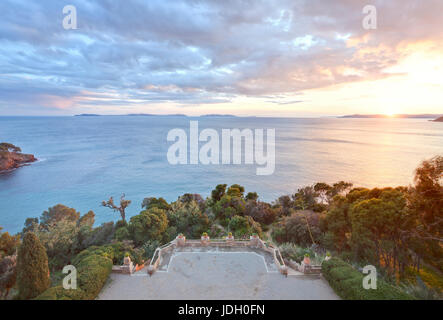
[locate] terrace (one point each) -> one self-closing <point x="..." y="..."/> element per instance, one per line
<point x="216" y="269"/>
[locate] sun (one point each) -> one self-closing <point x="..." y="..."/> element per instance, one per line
<point x="390" y="113"/>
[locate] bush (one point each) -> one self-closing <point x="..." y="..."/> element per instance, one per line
<point x="93" y="268"/>
<point x="244" y="226"/>
<point x="288" y="251"/>
<point x="291" y="251"/>
<point x="347" y="283"/>
<point x="149" y="248"/>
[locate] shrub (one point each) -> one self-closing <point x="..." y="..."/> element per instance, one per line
<point x="295" y="253"/>
<point x="288" y="251"/>
<point x="242" y="226"/>
<point x="347" y="282"/>
<point x="421" y="291"/>
<point x="93" y="268"/>
<point x="149" y="248"/>
<point x="32" y="267"/>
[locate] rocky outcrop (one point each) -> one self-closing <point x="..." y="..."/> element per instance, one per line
<point x="12" y="158"/>
<point x="438" y="119"/>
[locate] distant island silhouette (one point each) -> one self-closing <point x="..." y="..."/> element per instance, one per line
<point x="402" y="116"/>
<point x="154" y="115"/>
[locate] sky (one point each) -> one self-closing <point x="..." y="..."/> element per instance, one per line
<point x="263" y="58"/>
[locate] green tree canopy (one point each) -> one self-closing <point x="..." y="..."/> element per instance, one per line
<point x="9" y="147"/>
<point x="32" y="267"/>
<point x="151" y="202"/>
<point x="58" y="213"/>
<point x="8" y="243"/>
<point x="218" y="192"/>
<point x="148" y="225"/>
<point x="188" y="219"/>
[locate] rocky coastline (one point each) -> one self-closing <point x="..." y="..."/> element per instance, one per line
<point x="12" y="158"/>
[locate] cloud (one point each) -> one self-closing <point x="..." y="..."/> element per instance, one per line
<point x="138" y="52"/>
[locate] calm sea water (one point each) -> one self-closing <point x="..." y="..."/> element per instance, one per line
<point x="84" y="160"/>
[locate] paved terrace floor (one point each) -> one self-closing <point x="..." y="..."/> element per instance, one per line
<point x="215" y="274"/>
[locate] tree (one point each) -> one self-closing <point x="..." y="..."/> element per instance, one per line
<point x="338" y="225"/>
<point x="425" y="199"/>
<point x="327" y="192"/>
<point x="244" y="226"/>
<point x="218" y="192"/>
<point x="87" y="219"/>
<point x="252" y="196"/>
<point x="9" y="147"/>
<point x="31" y="224"/>
<point x="64" y="235"/>
<point x="427" y="195"/>
<point x="148" y="225"/>
<point x="285" y="204"/>
<point x="189" y="197"/>
<point x="152" y="202"/>
<point x="378" y="228"/>
<point x="59" y="240"/>
<point x="227" y="207"/>
<point x="236" y="190"/>
<point x="121" y="209"/>
<point x="339" y="188"/>
<point x="304" y="199"/>
<point x="58" y="213"/>
<point x="8" y="243"/>
<point x="187" y="218"/>
<point x="99" y="236"/>
<point x="32" y="267"/>
<point x="260" y="211"/>
<point x="301" y="228"/>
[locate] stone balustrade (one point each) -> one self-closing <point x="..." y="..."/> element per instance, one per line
<point x="205" y="241"/>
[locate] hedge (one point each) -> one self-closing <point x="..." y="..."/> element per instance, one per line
<point x="347" y="282"/>
<point x="93" y="268"/>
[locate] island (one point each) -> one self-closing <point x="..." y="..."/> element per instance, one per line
<point x="11" y="157"/>
<point x="218" y="116"/>
<point x="440" y="119"/>
<point x="385" y="116"/>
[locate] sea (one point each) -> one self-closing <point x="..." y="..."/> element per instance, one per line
<point x="84" y="160"/>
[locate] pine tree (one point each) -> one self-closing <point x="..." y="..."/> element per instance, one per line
<point x="32" y="267"/>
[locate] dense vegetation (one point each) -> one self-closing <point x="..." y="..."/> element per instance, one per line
<point x="347" y="283"/>
<point x="398" y="230"/>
